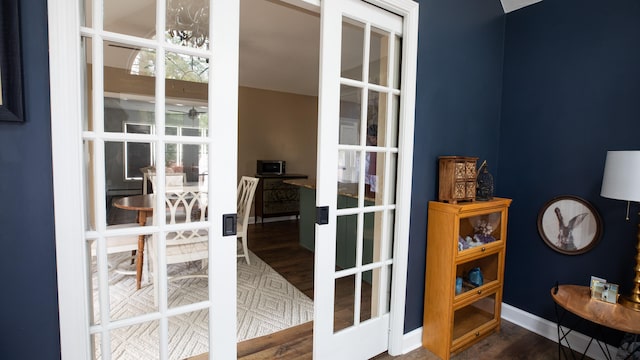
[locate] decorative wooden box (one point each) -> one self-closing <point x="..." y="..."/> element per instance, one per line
<point x="457" y="178"/>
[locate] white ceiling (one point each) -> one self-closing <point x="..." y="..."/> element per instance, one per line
<point x="279" y="43"/>
<point x="279" y="47"/>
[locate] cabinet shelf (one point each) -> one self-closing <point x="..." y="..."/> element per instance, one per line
<point x="455" y="318"/>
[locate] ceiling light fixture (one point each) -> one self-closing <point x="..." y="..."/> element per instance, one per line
<point x="188" y="22"/>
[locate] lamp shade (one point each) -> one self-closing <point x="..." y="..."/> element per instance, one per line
<point x="621" y="179"/>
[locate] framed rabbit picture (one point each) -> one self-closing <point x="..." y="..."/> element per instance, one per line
<point x="569" y="225"/>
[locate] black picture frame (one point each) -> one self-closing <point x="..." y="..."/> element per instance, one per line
<point x="11" y="97"/>
<point x="569" y="225"/>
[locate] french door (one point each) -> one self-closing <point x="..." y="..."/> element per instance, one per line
<point x="142" y="89"/>
<point x="364" y="157"/>
<point x="121" y="104"/>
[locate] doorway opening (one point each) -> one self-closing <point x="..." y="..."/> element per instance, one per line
<point x="278" y="120"/>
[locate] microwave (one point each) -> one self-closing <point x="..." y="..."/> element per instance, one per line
<point x="277" y="167"/>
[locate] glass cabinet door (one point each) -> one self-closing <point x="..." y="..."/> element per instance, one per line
<point x="479" y="231"/>
<point x="474" y="320"/>
<point x="478" y="275"/>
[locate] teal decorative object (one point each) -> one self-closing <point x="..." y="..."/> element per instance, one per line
<point x="475" y="277"/>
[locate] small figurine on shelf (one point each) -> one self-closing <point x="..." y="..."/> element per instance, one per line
<point x="484" y="187"/>
<point x="468" y="242"/>
<point x="484" y="227"/>
<point x="473" y="241"/>
<point x="462" y="243"/>
<point x="483" y="230"/>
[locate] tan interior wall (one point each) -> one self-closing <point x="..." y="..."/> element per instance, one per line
<point x="119" y="80"/>
<point x="277" y="126"/>
<point x="271" y="125"/>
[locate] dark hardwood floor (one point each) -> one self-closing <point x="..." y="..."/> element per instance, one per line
<point x="277" y="244"/>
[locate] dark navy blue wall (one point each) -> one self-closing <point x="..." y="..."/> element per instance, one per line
<point x="458" y="103"/>
<point x="28" y="305"/>
<point x="571" y="92"/>
<point x="571" y="84"/>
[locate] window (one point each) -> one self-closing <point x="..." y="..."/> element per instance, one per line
<point x="136" y="155"/>
<point x="171" y="151"/>
<point x="188" y="158"/>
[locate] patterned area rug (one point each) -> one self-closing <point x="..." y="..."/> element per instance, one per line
<point x="266" y="302"/>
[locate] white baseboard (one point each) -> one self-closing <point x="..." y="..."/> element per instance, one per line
<point x="531" y="322"/>
<point x="548" y="329"/>
<point x="413" y="339"/>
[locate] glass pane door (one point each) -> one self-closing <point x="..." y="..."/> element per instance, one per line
<point x="357" y="178"/>
<point x="153" y="214"/>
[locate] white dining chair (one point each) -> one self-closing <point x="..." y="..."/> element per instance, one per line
<point x="182" y="246"/>
<point x="192" y="245"/>
<point x="173" y="181"/>
<point x="120" y="244"/>
<point x="246" y="191"/>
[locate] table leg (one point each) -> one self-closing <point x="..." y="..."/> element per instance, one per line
<point x="631" y="353"/>
<point x="563" y="335"/>
<point x="142" y="219"/>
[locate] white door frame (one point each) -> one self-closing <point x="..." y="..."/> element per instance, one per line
<point x="66" y="112"/>
<point x="68" y="177"/>
<point x="64" y="62"/>
<point x="409" y="10"/>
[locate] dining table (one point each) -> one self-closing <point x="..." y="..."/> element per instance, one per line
<point x="143" y="204"/>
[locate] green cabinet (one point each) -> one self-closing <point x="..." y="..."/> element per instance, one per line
<point x="346" y="229"/>
<point x="307" y="218"/>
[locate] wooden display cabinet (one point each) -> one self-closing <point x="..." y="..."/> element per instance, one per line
<point x="454" y="319"/>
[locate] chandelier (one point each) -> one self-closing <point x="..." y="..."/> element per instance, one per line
<point x="188" y="22"/>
